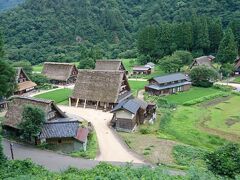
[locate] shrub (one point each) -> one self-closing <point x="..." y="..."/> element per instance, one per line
<point x="164" y="120"/>
<point x="225" y="161"/>
<point x="163" y="103"/>
<point x="145" y="130"/>
<point x="223" y="87"/>
<point x="2" y="157"/>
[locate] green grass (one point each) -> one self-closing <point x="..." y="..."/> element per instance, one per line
<point x="128" y="65"/>
<point x="59" y="95"/>
<point x="183" y="126"/>
<point x="137" y="85"/>
<point x="237" y="80"/>
<point x="92" y="148"/>
<point x="192" y="94"/>
<point x="226" y="116"/>
<point x="38" y="68"/>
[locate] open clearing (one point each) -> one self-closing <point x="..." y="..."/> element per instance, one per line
<point x="137" y="85"/>
<point x="59" y="95"/>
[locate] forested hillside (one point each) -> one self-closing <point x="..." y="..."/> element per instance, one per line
<point x="41" y="30"/>
<point x="7" y="4"/>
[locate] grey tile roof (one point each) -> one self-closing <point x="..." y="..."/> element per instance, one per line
<point x="156" y="87"/>
<point x="170" y="78"/>
<point x="131" y="105"/>
<point x="141" y="68"/>
<point x="61" y="128"/>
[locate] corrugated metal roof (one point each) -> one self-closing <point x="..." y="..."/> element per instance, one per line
<point x="141" y="68"/>
<point x="156" y="87"/>
<point x="170" y="78"/>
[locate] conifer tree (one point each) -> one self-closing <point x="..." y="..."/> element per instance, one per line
<point x="215" y="34"/>
<point x="227" y="51"/>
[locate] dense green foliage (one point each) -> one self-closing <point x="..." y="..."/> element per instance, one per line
<point x="26" y="65"/>
<point x="27" y="170"/>
<point x="52" y="30"/>
<point x="32" y="121"/>
<point x="225" y="161"/>
<point x="39" y="79"/>
<point x="7" y="79"/>
<point x="203" y="76"/>
<point x="2" y="157"/>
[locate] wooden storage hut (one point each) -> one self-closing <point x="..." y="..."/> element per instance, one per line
<point x="24" y="83"/>
<point x="203" y="61"/>
<point x="60" y="73"/>
<point x="130" y="113"/>
<point x="66" y="134"/>
<point x="112" y="64"/>
<point x="168" y="84"/>
<point x="237" y="66"/>
<point x="100" y="89"/>
<point x="141" y="70"/>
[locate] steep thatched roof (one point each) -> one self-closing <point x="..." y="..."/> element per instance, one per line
<point x="58" y="71"/>
<point x="15" y="108"/>
<point x="26" y="84"/>
<point x="109" y="65"/>
<point x="95" y="85"/>
<point x="203" y="60"/>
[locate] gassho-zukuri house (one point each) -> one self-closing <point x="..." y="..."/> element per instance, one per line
<point x="168" y="84"/>
<point x="100" y="89"/>
<point x="203" y="61"/>
<point x="58" y="129"/>
<point x="60" y="73"/>
<point x="132" y="112"/>
<point x="112" y="64"/>
<point x="24" y="83"/>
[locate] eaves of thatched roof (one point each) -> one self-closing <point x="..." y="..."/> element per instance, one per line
<point x="113" y="64"/>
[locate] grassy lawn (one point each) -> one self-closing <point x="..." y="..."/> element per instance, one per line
<point x="193" y="93"/>
<point x="237" y="80"/>
<point x="137" y="85"/>
<point x="129" y="63"/>
<point x="38" y="68"/>
<point x="226" y="116"/>
<point x="59" y="95"/>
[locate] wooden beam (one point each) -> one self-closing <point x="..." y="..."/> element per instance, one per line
<point x="77" y="102"/>
<point x="85" y="104"/>
<point x="70" y="101"/>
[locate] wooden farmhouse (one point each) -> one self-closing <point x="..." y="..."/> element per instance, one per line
<point x="58" y="128"/>
<point x="113" y="65"/>
<point x="142" y="70"/>
<point x="150" y="65"/>
<point x="203" y="61"/>
<point x="130" y="113"/>
<point x="60" y="73"/>
<point x="100" y="89"/>
<point x="168" y="84"/>
<point x="237" y="66"/>
<point x="24" y="83"/>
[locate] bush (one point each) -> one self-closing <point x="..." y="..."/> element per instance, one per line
<point x="223" y="87"/>
<point x="203" y="76"/>
<point x="163" y="103"/>
<point x="225" y="161"/>
<point x="2" y="156"/>
<point x="145" y="131"/>
<point x="188" y="155"/>
<point x="164" y="120"/>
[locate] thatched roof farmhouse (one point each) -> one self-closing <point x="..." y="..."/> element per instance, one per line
<point x="203" y="60"/>
<point x="109" y="65"/>
<point x="100" y="89"/>
<point x="24" y="83"/>
<point x="60" y="73"/>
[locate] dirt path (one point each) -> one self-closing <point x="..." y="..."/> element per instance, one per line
<point x="111" y="146"/>
<point x="140" y="94"/>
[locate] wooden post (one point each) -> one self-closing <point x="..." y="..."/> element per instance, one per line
<point x="70" y="102"/>
<point x="85" y="104"/>
<point x="77" y="102"/>
<point x="97" y="105"/>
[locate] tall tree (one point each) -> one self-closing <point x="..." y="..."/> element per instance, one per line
<point x="1" y="45"/>
<point x="235" y="26"/>
<point x="215" y="34"/>
<point x="227" y="51"/>
<point x="7" y="79"/>
<point x="26" y="65"/>
<point x="32" y="121"/>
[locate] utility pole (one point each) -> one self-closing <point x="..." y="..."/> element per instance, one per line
<point x="11" y="149"/>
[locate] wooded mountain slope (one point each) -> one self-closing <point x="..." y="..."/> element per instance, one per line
<point x="43" y="29"/>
